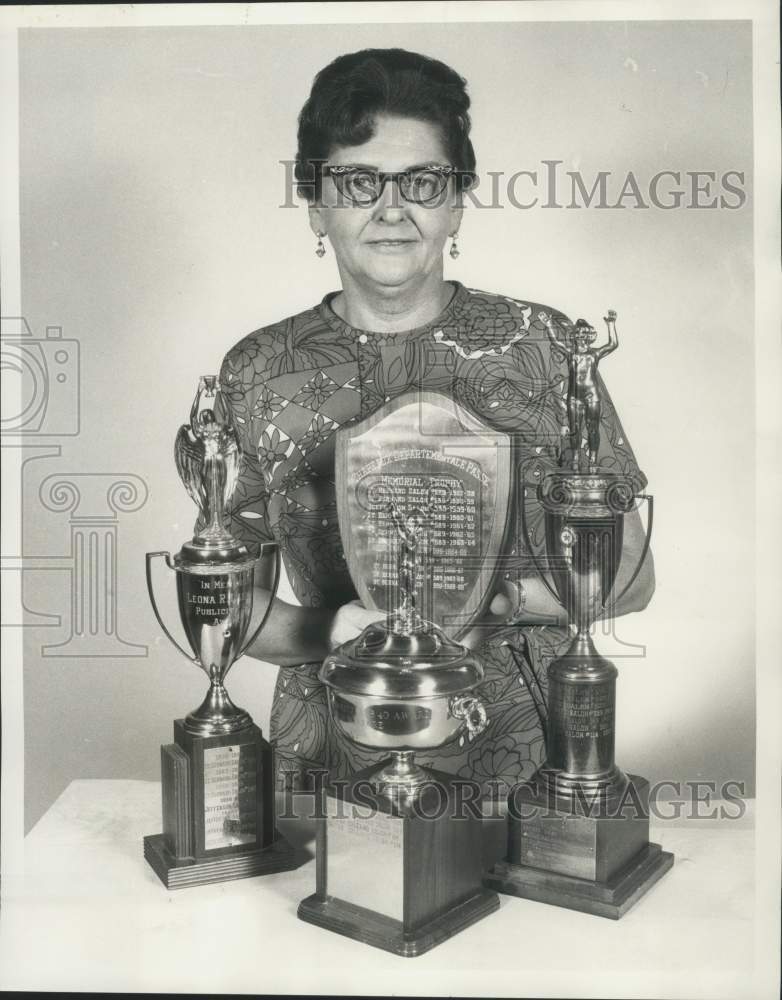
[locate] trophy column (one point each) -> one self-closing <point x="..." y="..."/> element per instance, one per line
<point x="218" y="774"/>
<point x="578" y="832"/>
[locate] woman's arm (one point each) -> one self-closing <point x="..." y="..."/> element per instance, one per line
<point x="540" y="607"/>
<point x="639" y="595"/>
<point x="539" y="602"/>
<point x="294" y="635"/>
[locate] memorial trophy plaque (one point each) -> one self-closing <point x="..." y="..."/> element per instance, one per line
<point x="417" y="442"/>
<point x="399" y="852"/>
<point x="218" y="774"/>
<point x="578" y="831"/>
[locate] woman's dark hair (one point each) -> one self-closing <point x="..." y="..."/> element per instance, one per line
<point x="349" y="94"/>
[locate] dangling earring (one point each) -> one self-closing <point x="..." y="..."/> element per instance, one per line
<point x="454" y="251"/>
<point x="320" y="249"/>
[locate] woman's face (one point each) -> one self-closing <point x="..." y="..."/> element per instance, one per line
<point x="393" y="243"/>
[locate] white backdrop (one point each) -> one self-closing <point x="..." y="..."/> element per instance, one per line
<point x="152" y="232"/>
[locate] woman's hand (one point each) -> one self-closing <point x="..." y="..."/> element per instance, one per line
<point x="350" y="620"/>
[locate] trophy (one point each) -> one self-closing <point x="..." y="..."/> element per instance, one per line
<point x="218" y="774"/>
<point x="578" y="831"/>
<point x="416" y="443"/>
<point x="399" y="858"/>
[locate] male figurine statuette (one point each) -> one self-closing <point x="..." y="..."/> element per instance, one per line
<point x="583" y="393"/>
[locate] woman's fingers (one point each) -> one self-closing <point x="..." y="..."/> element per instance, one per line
<point x="351" y="620"/>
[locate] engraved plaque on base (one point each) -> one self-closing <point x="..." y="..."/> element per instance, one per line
<point x="579" y="844"/>
<point x="598" y="864"/>
<point x="365" y="857"/>
<point x="229" y="795"/>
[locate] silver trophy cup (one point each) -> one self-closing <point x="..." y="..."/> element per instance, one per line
<point x="218" y="774"/>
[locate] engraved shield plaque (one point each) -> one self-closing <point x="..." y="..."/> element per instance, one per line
<point x="423" y="450"/>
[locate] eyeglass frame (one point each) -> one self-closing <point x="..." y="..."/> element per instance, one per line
<point x="384" y="176"/>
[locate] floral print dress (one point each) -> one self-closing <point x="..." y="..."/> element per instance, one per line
<point x="292" y="385"/>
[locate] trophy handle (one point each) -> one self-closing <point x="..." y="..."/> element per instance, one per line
<point x="528" y="543"/>
<point x="471" y="710"/>
<point x="275" y="582"/>
<point x="167" y="557"/>
<point x="649" y="522"/>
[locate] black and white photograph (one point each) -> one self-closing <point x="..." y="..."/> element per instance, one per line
<point x="390" y="440"/>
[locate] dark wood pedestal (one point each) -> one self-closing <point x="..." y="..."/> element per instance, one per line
<point x="218" y="810"/>
<point x="579" y="858"/>
<point x="402" y="875"/>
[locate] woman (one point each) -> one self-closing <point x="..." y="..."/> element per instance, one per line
<point x="384" y="156"/>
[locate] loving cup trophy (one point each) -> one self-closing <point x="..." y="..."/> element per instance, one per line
<point x="399" y="857"/>
<point x="578" y="831"/>
<point x="218" y="774"/>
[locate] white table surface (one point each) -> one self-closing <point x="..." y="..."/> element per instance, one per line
<point x="91" y="915"/>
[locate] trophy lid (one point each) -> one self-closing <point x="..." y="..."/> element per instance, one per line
<point x="423" y="663"/>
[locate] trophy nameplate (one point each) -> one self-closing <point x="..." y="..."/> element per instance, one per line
<point x="419" y="445"/>
<point x="363" y="843"/>
<point x="229" y="795"/>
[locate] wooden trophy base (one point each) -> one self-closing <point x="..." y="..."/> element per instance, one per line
<point x="596" y="864"/>
<point x="384" y="932"/>
<point x="180" y="873"/>
<point x="400" y="875"/>
<point x="218" y="810"/>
